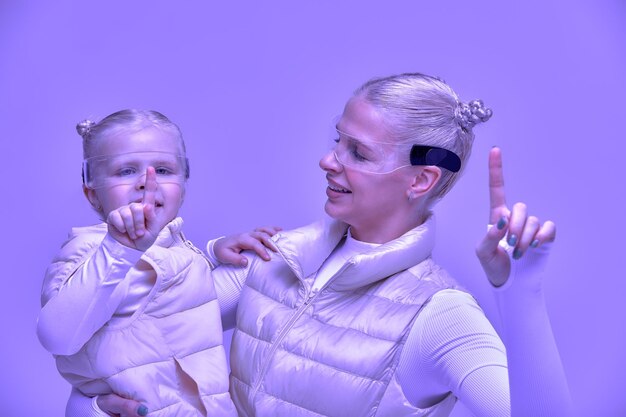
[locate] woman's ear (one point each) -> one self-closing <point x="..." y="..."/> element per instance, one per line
<point x="424" y="181"/>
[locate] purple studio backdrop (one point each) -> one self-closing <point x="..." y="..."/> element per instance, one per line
<point x="255" y="88"/>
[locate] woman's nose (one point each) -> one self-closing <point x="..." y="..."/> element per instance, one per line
<point x="329" y="162"/>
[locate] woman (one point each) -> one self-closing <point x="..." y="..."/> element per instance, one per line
<point x="352" y="316"/>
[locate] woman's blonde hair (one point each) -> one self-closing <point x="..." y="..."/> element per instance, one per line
<point x="424" y="110"/>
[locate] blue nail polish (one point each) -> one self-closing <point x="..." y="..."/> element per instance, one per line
<point x="512" y="240"/>
<point x="501" y="223"/>
<point x="534" y="243"/>
<point x="517" y="253"/>
<point x="142" y="410"/>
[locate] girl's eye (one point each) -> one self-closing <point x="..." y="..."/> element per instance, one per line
<point x="123" y="172"/>
<point x="163" y="171"/>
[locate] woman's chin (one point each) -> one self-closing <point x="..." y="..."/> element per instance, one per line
<point x="334" y="211"/>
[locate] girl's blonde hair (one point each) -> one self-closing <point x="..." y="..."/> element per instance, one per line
<point x="129" y="120"/>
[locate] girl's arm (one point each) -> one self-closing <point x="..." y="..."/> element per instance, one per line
<point x="229" y="280"/>
<point x="227" y="250"/>
<point x="82" y="289"/>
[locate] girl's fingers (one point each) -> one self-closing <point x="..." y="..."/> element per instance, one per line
<point x="149" y="214"/>
<point x="148" y="210"/>
<point x="137" y="219"/>
<point x="233" y="258"/>
<point x="228" y="249"/>
<point x="115" y="220"/>
<point x="129" y="224"/>
<point x="149" y="190"/>
<point x="131" y="219"/>
<point x="258" y="243"/>
<point x="266" y="239"/>
<point x="268" y="230"/>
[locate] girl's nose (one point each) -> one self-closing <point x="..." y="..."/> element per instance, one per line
<point x="140" y="184"/>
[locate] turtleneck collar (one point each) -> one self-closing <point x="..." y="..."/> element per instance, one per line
<point x="306" y="248"/>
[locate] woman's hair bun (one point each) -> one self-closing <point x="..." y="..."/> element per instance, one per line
<point x="470" y="114"/>
<point x="84" y="128"/>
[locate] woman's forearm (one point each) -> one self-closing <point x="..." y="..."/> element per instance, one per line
<point x="536" y="375"/>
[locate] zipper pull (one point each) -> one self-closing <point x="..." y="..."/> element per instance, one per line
<point x="191" y="246"/>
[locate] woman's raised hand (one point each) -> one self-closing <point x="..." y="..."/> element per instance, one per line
<point x="523" y="232"/>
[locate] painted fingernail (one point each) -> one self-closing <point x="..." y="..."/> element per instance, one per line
<point x="243" y="262"/>
<point x="534" y="243"/>
<point x="512" y="240"/>
<point x="501" y="223"/>
<point x="517" y="253"/>
<point x="142" y="410"/>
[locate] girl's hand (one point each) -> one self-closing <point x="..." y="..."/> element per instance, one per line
<point x="135" y="225"/>
<point x="119" y="406"/>
<point x="524" y="233"/>
<point x="228" y="249"/>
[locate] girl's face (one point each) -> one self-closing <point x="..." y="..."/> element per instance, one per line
<point x="373" y="204"/>
<point x="120" y="164"/>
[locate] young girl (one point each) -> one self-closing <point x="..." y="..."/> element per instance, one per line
<point x="129" y="305"/>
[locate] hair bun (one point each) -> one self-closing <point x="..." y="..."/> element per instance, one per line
<point x="470" y="114"/>
<point x="84" y="128"/>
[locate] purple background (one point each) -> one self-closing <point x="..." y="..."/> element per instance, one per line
<point x="255" y="88"/>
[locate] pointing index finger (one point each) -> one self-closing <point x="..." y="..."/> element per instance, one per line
<point x="496" y="186"/>
<point x="150" y="187"/>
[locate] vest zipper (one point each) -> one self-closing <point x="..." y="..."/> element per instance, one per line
<point x="307" y="302"/>
<point x="191" y="246"/>
<point x="281" y="336"/>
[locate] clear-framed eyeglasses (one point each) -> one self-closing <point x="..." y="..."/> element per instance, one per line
<point x="376" y="157"/>
<point x="106" y="171"/>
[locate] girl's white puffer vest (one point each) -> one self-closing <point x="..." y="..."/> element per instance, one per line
<point x="169" y="355"/>
<point x="334" y="352"/>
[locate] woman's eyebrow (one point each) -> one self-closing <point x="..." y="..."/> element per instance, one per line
<point x="367" y="145"/>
